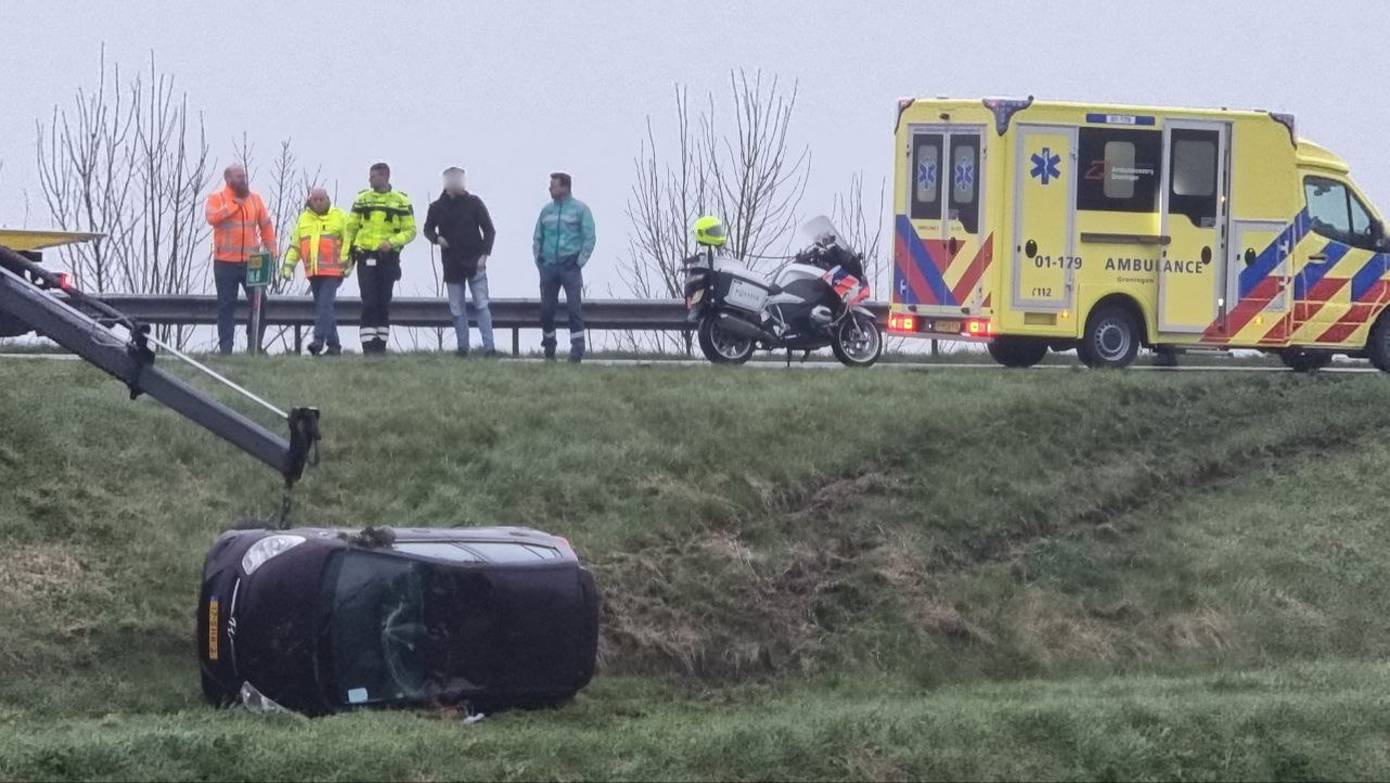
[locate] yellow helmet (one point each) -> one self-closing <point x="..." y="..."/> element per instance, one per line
<point x="709" y="231"/>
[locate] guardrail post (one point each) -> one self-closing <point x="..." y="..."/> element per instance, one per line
<point x="298" y="340"/>
<point x="516" y="341"/>
<point x="253" y="332"/>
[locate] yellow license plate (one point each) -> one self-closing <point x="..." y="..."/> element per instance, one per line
<point x="946" y="326"/>
<point x="212" y="630"/>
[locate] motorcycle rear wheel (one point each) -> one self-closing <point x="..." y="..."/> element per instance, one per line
<point x="721" y="347"/>
<point x="857" y="342"/>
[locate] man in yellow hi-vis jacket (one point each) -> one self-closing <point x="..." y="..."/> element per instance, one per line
<point x="382" y="222"/>
<point x="318" y="242"/>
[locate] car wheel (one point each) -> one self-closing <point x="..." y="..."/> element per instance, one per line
<point x="1111" y="340"/>
<point x="1016" y="352"/>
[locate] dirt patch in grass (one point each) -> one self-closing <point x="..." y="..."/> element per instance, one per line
<point x="40" y="576"/>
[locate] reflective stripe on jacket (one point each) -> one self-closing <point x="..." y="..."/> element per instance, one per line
<point x="381" y="217"/>
<point x="237" y="224"/>
<point x="318" y="241"/>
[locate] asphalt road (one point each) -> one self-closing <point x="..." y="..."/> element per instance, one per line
<point x="1347" y="368"/>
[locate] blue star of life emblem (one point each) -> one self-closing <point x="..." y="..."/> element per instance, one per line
<point x="1045" y="166"/>
<point x="965" y="175"/>
<point x="926" y="175"/>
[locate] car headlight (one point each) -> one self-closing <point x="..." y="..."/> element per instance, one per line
<point x="266" y="548"/>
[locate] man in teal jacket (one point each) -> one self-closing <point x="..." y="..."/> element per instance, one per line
<point x="563" y="242"/>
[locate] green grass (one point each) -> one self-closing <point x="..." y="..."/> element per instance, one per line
<point x="831" y="574"/>
<point x="1304" y="723"/>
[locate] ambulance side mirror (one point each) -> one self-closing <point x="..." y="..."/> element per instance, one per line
<point x="1381" y="241"/>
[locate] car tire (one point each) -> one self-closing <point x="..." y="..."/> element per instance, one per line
<point x="718" y="346"/>
<point x="1111" y="340"/>
<point x="1014" y="352"/>
<point x="1378" y="344"/>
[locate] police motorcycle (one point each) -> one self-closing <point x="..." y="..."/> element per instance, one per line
<point x="813" y="302"/>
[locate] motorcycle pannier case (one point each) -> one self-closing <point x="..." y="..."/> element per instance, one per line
<point x="741" y="293"/>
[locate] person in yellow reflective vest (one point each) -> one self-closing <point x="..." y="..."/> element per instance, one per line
<point x="318" y="241"/>
<point x="382" y="222"/>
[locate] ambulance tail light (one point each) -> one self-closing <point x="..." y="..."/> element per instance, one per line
<point x="902" y="323"/>
<point x="977" y="327"/>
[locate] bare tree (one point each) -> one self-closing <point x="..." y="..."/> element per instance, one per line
<point x="750" y="176"/>
<point x="757" y="179"/>
<point x="862" y="227"/>
<point x="84" y="163"/>
<point x="129" y="161"/>
<point x="665" y="200"/>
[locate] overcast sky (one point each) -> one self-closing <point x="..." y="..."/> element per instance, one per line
<point x="512" y="90"/>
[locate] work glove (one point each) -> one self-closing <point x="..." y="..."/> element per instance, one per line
<point x="482" y="263"/>
<point x="286" y="273"/>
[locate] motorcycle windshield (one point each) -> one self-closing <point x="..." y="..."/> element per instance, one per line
<point x="820" y="231"/>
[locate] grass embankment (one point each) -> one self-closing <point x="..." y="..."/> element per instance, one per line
<point x="820" y="574"/>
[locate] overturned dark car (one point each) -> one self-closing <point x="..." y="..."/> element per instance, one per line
<point x="320" y="620"/>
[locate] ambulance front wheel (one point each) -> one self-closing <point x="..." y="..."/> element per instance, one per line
<point x="1378" y="346"/>
<point x="1013" y="352"/>
<point x="1111" y="340"/>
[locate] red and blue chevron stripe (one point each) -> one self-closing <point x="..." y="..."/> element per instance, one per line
<point x="917" y="274"/>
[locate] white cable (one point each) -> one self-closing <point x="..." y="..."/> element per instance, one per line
<point x="180" y="354"/>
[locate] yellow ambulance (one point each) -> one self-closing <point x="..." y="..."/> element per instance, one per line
<point x="1032" y="225"/>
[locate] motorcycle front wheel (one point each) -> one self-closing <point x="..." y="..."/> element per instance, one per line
<point x="720" y="346"/>
<point x="858" y="341"/>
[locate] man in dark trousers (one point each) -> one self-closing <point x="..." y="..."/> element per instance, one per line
<point x="562" y="245"/>
<point x="382" y="222"/>
<point x="459" y="223"/>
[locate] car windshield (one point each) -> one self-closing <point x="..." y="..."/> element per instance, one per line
<point x="408" y="629"/>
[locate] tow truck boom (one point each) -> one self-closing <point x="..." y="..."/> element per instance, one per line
<point x="88" y="327"/>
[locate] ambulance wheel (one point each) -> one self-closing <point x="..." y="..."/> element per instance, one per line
<point x="1017" y="353"/>
<point x="1299" y="360"/>
<point x="719" y="345"/>
<point x="1378" y="346"/>
<point x="1111" y="340"/>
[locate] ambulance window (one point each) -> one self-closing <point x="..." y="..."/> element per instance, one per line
<point x="1120" y="169"/>
<point x="926" y="176"/>
<point x="1360" y="221"/>
<point x="965" y="176"/>
<point x="1329" y="209"/>
<point x="1194" y="174"/>
<point x="1194" y="167"/>
<point x="1119" y="158"/>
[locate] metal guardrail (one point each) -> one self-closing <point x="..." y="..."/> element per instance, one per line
<point x="515" y="314"/>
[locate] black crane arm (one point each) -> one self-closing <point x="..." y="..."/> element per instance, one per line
<point x="87" y="327"/>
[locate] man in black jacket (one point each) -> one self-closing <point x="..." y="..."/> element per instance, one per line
<point x="459" y="223"/>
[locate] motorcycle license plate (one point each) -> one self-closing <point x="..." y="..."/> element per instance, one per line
<point x="745" y="295"/>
